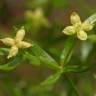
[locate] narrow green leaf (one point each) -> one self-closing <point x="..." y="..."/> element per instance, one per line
<point x="2" y="50"/>
<point x="79" y="68"/>
<point x="46" y="84"/>
<point x="67" y="52"/>
<point x="72" y="85"/>
<point x="33" y="59"/>
<point x="49" y="63"/>
<point x="44" y="57"/>
<point x="12" y="64"/>
<point x="73" y="68"/>
<point x="91" y="19"/>
<point x="51" y="79"/>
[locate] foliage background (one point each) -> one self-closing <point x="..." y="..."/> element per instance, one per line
<point x="22" y="80"/>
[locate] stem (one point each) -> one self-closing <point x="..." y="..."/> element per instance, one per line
<point x="67" y="51"/>
<point x="72" y="85"/>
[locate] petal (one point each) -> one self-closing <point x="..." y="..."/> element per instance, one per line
<point x="70" y="30"/>
<point x="23" y="44"/>
<point x="8" y="41"/>
<point x="13" y="52"/>
<point x="20" y="34"/>
<point x="82" y="35"/>
<point x="87" y="26"/>
<point x="75" y="18"/>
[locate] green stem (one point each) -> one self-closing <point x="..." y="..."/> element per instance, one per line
<point x="72" y="85"/>
<point x="67" y="52"/>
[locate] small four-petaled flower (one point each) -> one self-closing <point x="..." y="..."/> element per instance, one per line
<point x="16" y="43"/>
<point x="37" y="17"/>
<point x="78" y="27"/>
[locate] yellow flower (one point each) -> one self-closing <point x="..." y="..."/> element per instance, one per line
<point x="78" y="27"/>
<point x="16" y="43"/>
<point x="37" y="17"/>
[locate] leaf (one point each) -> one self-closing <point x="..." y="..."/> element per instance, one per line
<point x="46" y="84"/>
<point x="33" y="59"/>
<point x="67" y="51"/>
<point x="79" y="69"/>
<point x="91" y="19"/>
<point x="74" y="68"/>
<point x="51" y="79"/>
<point x="44" y="57"/>
<point x="11" y="65"/>
<point x="73" y="88"/>
<point x="2" y="50"/>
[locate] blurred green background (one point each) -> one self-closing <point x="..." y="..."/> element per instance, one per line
<point x="56" y="13"/>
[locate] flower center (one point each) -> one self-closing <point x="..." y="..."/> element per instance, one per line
<point x="78" y="27"/>
<point x="17" y="43"/>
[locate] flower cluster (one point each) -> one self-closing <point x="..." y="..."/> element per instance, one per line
<point x="77" y="27"/>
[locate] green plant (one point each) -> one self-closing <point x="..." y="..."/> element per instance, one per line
<point x="38" y="56"/>
<point x="52" y="60"/>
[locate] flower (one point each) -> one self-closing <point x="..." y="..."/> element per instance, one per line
<point x="16" y="43"/>
<point x="37" y="17"/>
<point x="78" y="27"/>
